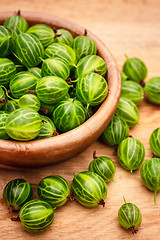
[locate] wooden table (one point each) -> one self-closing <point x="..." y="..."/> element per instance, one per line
<point x="125" y="26"/>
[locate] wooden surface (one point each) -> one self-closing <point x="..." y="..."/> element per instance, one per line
<point x="131" y="27"/>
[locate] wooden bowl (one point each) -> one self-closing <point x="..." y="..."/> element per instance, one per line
<point x="14" y="154"/>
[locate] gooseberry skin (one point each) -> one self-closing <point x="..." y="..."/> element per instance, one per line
<point x="152" y="90"/>
<point x="29" y="55"/>
<point x="54" y="189"/>
<point x="43" y="32"/>
<point x="7" y="71"/>
<point x="154" y="142"/>
<point x="128" y="110"/>
<point x="104" y="167"/>
<point x="62" y="51"/>
<point x="130" y="153"/>
<point x="135" y="69"/>
<point x="23" y="124"/>
<point x="124" y="77"/>
<point x="36" y="216"/>
<point x="116" y="131"/>
<point x="51" y="89"/>
<point x="29" y="100"/>
<point x="36" y="71"/>
<point x="150" y="175"/>
<point x="84" y="46"/>
<point x="129" y="217"/>
<point x="66" y="37"/>
<point x="17" y="24"/>
<point x="91" y="89"/>
<point x="133" y="91"/>
<point x="90" y="63"/>
<point x="7" y="42"/>
<point x="3" y="117"/>
<point x="10" y="106"/>
<point x="68" y="114"/>
<point x="16" y="193"/>
<point x="47" y="129"/>
<point x="21" y="82"/>
<point x="55" y="67"/>
<point x="89" y="189"/>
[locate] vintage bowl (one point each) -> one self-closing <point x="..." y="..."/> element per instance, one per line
<point x="14" y="154"/>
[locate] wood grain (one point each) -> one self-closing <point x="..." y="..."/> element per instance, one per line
<point x="130" y="27"/>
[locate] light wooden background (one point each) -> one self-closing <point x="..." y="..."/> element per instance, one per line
<point x="125" y="26"/>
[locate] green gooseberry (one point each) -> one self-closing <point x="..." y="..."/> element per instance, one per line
<point x="124" y="77"/>
<point x="23" y="124"/>
<point x="135" y="69"/>
<point x="83" y="46"/>
<point x="16" y="193"/>
<point x="63" y="36"/>
<point x="51" y="89"/>
<point x="150" y="175"/>
<point x="48" y="128"/>
<point x="54" y="66"/>
<point x="7" y="71"/>
<point x="3" y="117"/>
<point x="21" y="83"/>
<point x="133" y="91"/>
<point x="91" y="89"/>
<point x="17" y="23"/>
<point x="54" y="189"/>
<point x="63" y="51"/>
<point x="36" y="71"/>
<point x="152" y="90"/>
<point x="90" y="63"/>
<point x="36" y="216"/>
<point x="103" y="166"/>
<point x="131" y="153"/>
<point x="11" y="105"/>
<point x="29" y="100"/>
<point x="68" y="114"/>
<point x="129" y="217"/>
<point x="89" y="189"/>
<point x="116" y="131"/>
<point x="30" y="54"/>
<point x="128" y="110"/>
<point x="43" y="32"/>
<point x="7" y="41"/>
<point x="154" y="142"/>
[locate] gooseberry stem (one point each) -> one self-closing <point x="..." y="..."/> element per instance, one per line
<point x="6" y="92"/>
<point x="57" y="35"/>
<point x="101" y="202"/>
<point x="133" y="230"/>
<point x="44" y="110"/>
<point x="155" y="197"/>
<point x="124" y="199"/>
<point x="126" y="55"/>
<point x="85" y="32"/>
<point x="17" y="219"/>
<point x="55" y="133"/>
<point x="94" y="155"/>
<point x="71" y="198"/>
<point x="31" y="91"/>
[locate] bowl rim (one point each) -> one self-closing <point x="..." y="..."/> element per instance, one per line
<point x="26" y="151"/>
